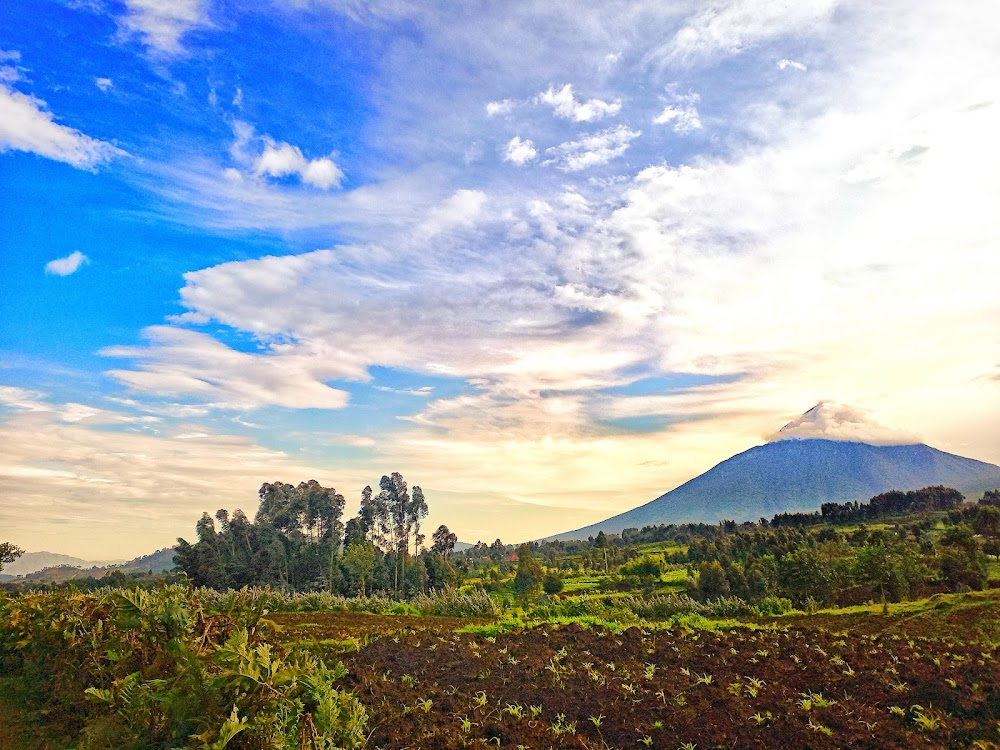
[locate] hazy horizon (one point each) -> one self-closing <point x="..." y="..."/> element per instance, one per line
<point x="547" y="261"/>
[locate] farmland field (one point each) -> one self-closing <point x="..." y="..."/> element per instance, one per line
<point x="924" y="674"/>
<point x="853" y="677"/>
<point x="794" y="682"/>
<point x="766" y="636"/>
<point x="590" y="688"/>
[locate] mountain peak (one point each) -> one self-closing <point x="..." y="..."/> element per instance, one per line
<point x="800" y="475"/>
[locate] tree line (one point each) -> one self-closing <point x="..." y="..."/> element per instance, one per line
<point x="933" y="542"/>
<point x="297" y="541"/>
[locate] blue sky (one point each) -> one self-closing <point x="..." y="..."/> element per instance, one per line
<point x="547" y="260"/>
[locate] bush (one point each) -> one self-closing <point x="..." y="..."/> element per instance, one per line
<point x="647" y="565"/>
<point x="552" y="583"/>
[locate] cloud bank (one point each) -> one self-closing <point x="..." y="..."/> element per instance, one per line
<point x="833" y="421"/>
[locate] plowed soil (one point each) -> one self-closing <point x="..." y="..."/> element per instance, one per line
<point x="571" y="687"/>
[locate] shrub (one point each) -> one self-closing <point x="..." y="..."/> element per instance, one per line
<point x="151" y="669"/>
<point x="552" y="583"/>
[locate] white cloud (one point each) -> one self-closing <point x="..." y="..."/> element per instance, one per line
<point x="786" y="63"/>
<point x="161" y="23"/>
<point x="26" y="126"/>
<point x="363" y="11"/>
<point x="565" y="105"/>
<point x="243" y="135"/>
<point x="519" y="151"/>
<point x="461" y="209"/>
<point x="104" y="84"/>
<point x="279" y="159"/>
<point x="767" y="262"/>
<point x="186" y="363"/>
<point x="355" y="441"/>
<point x="682" y="113"/>
<point x="22" y="399"/>
<point x="502" y="107"/>
<point x="131" y="490"/>
<point x="423" y="391"/>
<point x="593" y="150"/>
<point x="238" y="98"/>
<point x="66" y="266"/>
<point x="729" y="27"/>
<point x="834" y="421"/>
<point x="10" y="73"/>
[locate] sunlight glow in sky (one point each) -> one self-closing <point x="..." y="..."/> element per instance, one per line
<point x="547" y="259"/>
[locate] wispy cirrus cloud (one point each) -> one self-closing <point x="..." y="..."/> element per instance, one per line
<point x="681" y="113"/>
<point x="161" y="24"/>
<point x="182" y="362"/>
<point x="593" y="150"/>
<point x="730" y="27"/>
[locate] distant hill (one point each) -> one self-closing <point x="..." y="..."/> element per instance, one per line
<point x="800" y="475"/>
<point x="63" y="568"/>
<point x="30" y="562"/>
<point x="161" y="561"/>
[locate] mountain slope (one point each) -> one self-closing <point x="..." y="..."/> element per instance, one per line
<point x="161" y="561"/>
<point x="31" y="562"/>
<point x="792" y="475"/>
<point x="60" y="568"/>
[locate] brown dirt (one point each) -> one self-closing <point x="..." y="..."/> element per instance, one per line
<point x="595" y="689"/>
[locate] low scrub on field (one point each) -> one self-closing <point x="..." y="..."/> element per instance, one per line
<point x="164" y="669"/>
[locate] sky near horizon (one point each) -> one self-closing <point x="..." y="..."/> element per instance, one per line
<point x="546" y="259"/>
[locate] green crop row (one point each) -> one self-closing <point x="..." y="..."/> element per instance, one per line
<point x="446" y="602"/>
<point x="633" y="609"/>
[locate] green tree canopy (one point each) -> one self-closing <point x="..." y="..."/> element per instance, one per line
<point x="443" y="541"/>
<point x="529" y="573"/>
